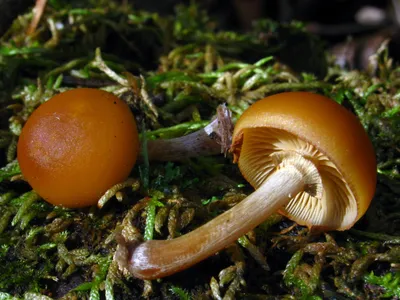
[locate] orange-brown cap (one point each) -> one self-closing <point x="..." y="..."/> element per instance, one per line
<point x="322" y="131"/>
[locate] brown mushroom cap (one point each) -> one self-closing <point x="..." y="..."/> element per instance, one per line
<point x="325" y="133"/>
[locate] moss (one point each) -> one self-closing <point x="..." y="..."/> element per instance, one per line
<point x="385" y="286"/>
<point x="174" y="71"/>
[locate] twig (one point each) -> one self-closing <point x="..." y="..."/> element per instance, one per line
<point x="37" y="15"/>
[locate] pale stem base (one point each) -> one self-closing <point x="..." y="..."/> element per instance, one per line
<point x="213" y="139"/>
<point x="198" y="143"/>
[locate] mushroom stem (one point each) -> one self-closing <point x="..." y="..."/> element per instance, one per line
<point x="191" y="145"/>
<point x="213" y="139"/>
<point x="159" y="258"/>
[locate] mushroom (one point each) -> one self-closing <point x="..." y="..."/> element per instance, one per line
<point x="307" y="157"/>
<point x="81" y="142"/>
<point x="77" y="145"/>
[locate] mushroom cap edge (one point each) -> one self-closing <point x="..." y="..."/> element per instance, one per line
<point x="328" y="126"/>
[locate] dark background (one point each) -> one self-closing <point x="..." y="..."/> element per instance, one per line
<point x="351" y="28"/>
<point x="344" y="25"/>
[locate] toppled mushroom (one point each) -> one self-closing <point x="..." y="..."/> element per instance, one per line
<point x="306" y="156"/>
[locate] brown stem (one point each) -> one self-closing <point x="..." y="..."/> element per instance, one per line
<point x="159" y="258"/>
<point x="213" y="139"/>
<point x="37" y="15"/>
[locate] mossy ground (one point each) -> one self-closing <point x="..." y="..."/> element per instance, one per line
<point x="174" y="72"/>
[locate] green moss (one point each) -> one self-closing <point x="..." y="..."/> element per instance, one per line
<point x="187" y="67"/>
<point x="9" y="170"/>
<point x="390" y="283"/>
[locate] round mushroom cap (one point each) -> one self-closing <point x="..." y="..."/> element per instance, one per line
<point x="322" y="131"/>
<point x="77" y="145"/>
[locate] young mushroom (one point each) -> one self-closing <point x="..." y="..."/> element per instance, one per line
<point x="77" y="145"/>
<point x="307" y="157"/>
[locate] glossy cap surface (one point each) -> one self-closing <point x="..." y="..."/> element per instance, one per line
<point x="77" y="145"/>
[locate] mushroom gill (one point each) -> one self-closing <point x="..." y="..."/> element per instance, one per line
<point x="263" y="150"/>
